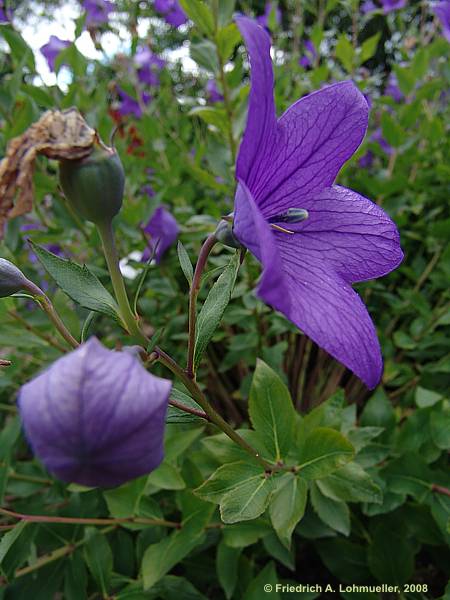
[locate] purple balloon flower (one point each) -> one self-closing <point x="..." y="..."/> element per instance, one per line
<point x="52" y="49"/>
<point x="442" y="12"/>
<point x="213" y="92"/>
<point x="97" y="12"/>
<point x="148" y="66"/>
<point x="392" y="88"/>
<point x="5" y="13"/>
<point x="163" y="231"/>
<point x="390" y="5"/>
<point x="313" y="239"/>
<point x="377" y="136"/>
<point x="171" y="11"/>
<point x="307" y="60"/>
<point x="96" y="417"/>
<point x="130" y="106"/>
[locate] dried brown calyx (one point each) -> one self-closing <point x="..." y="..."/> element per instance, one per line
<point x="62" y="135"/>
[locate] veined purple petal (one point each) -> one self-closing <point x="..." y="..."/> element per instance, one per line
<point x="282" y="162"/>
<point x="96" y="417"/>
<point x="260" y="132"/>
<point x="309" y="290"/>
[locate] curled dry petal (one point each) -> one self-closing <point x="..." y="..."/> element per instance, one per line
<point x="57" y="134"/>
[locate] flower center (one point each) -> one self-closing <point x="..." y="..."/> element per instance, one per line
<point x="291" y="215"/>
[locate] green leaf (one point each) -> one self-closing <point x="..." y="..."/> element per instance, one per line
<point x="227" y="561"/>
<point x="185" y="262"/>
<point x="161" y="557"/>
<point x="215" y="304"/>
<point x="425" y="398"/>
<point x="440" y="427"/>
<point x="19" y="48"/>
<point x="15" y="547"/>
<point x="246" y="533"/>
<point x="227" y="39"/>
<point x="344" y="52"/>
<point x="200" y="13"/>
<point x="271" y="411"/>
<point x="75" y="578"/>
<point x="378" y="412"/>
<point x="78" y="283"/>
<point x="124" y="501"/>
<point x="287" y="506"/>
<point x="266" y="577"/>
<point x="99" y="559"/>
<point x="391" y="554"/>
<point x="324" y="451"/>
<point x="369" y="47"/>
<point x="204" y="53"/>
<point x="394" y="135"/>
<point x="346" y="560"/>
<point x="176" y="415"/>
<point x="225" y="10"/>
<point x="228" y="477"/>
<point x="248" y="501"/>
<point x="350" y="484"/>
<point x="166" y="477"/>
<point x="212" y="116"/>
<point x="333" y="513"/>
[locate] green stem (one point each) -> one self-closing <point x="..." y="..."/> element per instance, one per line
<point x="193" y="294"/>
<point x="112" y="259"/>
<point x="213" y="416"/>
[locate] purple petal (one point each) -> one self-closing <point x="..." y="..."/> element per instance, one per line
<point x="442" y="12"/>
<point x="390" y="5"/>
<point x="260" y="131"/>
<point x="52" y="49"/>
<point x="302" y="153"/>
<point x="310" y="292"/>
<point x="96" y="417"/>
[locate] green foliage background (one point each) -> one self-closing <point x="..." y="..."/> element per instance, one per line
<point x="370" y="500"/>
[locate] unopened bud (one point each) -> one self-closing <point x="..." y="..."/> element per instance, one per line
<point x="224" y="233"/>
<point x="12" y="280"/>
<point x="94" y="185"/>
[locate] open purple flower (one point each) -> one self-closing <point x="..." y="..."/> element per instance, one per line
<point x="148" y="66"/>
<point x="52" y="49"/>
<point x="96" y="417"/>
<point x="442" y="12"/>
<point x="390" y="5"/>
<point x="307" y="60"/>
<point x="163" y="231"/>
<point x="97" y="12"/>
<point x="213" y="91"/>
<point x="171" y="11"/>
<point x="314" y="239"/>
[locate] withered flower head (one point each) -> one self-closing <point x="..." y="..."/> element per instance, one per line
<point x="61" y="135"/>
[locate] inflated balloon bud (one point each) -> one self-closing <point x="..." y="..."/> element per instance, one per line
<point x="94" y="185"/>
<point x="224" y="233"/>
<point x="12" y="280"/>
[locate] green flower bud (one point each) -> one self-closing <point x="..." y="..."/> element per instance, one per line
<point x="94" y="185"/>
<point x="12" y="280"/>
<point x="224" y="233"/>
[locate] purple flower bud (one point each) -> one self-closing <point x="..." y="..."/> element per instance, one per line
<point x="130" y="106"/>
<point x="52" y="49"/>
<point x="163" y="231"/>
<point x="148" y="66"/>
<point x="5" y="13"/>
<point x="368" y="7"/>
<point x="96" y="416"/>
<point x="12" y="279"/>
<point x="442" y="12"/>
<point x="310" y="55"/>
<point x="390" y="5"/>
<point x="392" y="88"/>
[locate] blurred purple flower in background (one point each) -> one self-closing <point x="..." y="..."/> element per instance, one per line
<point x="377" y="136"/>
<point x="97" y="12"/>
<point x="313" y="238"/>
<point x="5" y="13"/>
<point x="52" y="49"/>
<point x="390" y="5"/>
<point x="212" y="91"/>
<point x="366" y="161"/>
<point x="163" y="231"/>
<point x="442" y="12"/>
<point x="368" y="7"/>
<point x="148" y="190"/>
<point x="171" y="11"/>
<point x="96" y="417"/>
<point x="307" y="60"/>
<point x="264" y="19"/>
<point x="130" y="106"/>
<point x="392" y="88"/>
<point x="148" y="66"/>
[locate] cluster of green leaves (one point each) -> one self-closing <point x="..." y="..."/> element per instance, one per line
<point x="357" y="489"/>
